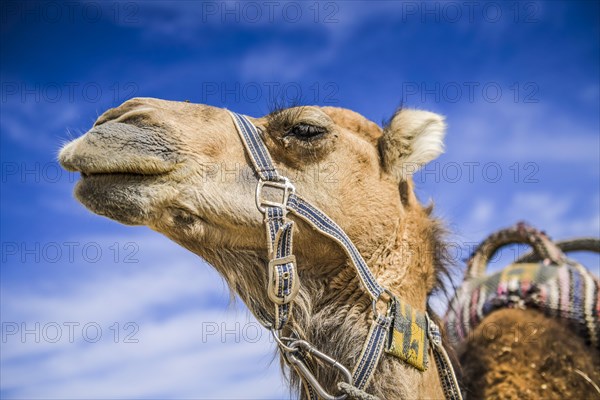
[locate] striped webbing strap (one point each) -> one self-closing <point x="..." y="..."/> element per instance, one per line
<point x="283" y="282"/>
<point x="442" y="362"/>
<point x="263" y="165"/>
<point x="371" y="352"/>
<point x="327" y="227"/>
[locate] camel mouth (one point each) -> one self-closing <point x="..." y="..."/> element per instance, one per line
<point x="120" y="174"/>
<point x="107" y="181"/>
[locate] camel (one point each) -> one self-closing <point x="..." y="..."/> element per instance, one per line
<point x="181" y="169"/>
<point x="526" y="351"/>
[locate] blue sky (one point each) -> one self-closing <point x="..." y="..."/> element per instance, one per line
<point x="517" y="82"/>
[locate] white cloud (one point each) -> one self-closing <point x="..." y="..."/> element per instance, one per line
<point x="560" y="215"/>
<point x="482" y="212"/>
<point x="37" y="125"/>
<point x="522" y="132"/>
<point x="189" y="345"/>
<point x="171" y="359"/>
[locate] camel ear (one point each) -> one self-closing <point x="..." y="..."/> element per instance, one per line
<point x="410" y="140"/>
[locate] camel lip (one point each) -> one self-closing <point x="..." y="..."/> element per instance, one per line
<point x="102" y="167"/>
<point x="125" y="174"/>
<point x="103" y="151"/>
<point x="91" y="166"/>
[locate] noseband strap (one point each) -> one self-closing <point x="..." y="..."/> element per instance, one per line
<point x="284" y="283"/>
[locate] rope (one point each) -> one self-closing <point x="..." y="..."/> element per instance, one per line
<point x="355" y="393"/>
<point x="519" y="233"/>
<point x="567" y="246"/>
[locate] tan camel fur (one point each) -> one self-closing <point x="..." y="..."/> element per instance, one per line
<point x="181" y="169"/>
<point x="523" y="354"/>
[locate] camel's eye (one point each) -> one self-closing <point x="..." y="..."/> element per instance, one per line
<point x="306" y="132"/>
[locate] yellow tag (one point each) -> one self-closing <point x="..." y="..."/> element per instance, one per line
<point x="408" y="335"/>
<point x="522" y="272"/>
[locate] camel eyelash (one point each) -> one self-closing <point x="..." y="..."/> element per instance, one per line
<point x="287" y="123"/>
<point x="282" y="120"/>
<point x="306" y="132"/>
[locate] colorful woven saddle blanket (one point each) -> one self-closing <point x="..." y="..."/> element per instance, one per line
<point x="566" y="291"/>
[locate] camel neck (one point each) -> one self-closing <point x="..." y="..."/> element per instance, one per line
<point x="337" y="316"/>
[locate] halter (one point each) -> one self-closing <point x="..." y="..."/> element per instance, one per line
<point x="283" y="283"/>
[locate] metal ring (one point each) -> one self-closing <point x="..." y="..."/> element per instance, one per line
<point x="279" y="341"/>
<point x="305" y="372"/>
<point x="376" y="313"/>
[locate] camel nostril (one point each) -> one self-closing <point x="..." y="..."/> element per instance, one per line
<point x="129" y="107"/>
<point x="100" y="121"/>
<point x="138" y="117"/>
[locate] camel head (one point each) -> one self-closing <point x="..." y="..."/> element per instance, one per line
<point x="182" y="170"/>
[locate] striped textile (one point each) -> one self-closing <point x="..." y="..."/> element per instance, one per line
<point x="567" y="291"/>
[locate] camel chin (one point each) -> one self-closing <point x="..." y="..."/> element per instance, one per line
<point x="126" y="198"/>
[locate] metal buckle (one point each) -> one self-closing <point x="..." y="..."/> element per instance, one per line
<point x="284" y="184"/>
<point x="433" y="331"/>
<point x="271" y="285"/>
<point x="374" y="303"/>
<point x="305" y="372"/>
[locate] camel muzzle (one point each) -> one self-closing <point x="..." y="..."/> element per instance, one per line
<point x="140" y="151"/>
